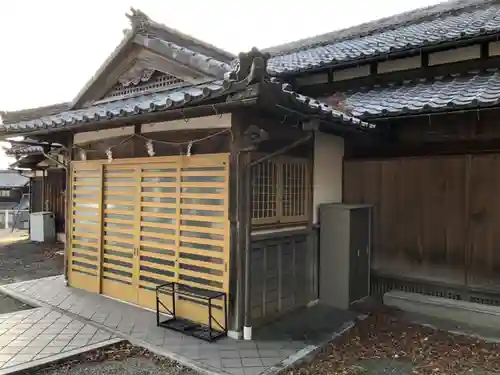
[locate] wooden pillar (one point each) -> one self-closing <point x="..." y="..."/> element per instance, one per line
<point x="238" y="217"/>
<point x="68" y="204"/>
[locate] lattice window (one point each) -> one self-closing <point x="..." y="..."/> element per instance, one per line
<point x="158" y="81"/>
<point x="280" y="191"/>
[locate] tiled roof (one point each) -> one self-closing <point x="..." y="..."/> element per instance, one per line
<point x="322" y="109"/>
<point x="445" y="93"/>
<point x="185" y="56"/>
<point x="120" y="108"/>
<point x="171" y="99"/>
<point x="9" y="179"/>
<point x="32" y="113"/>
<point x="470" y="22"/>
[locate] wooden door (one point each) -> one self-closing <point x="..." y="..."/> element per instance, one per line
<point x="145" y="222"/>
<point x="120" y="232"/>
<point x="85" y="240"/>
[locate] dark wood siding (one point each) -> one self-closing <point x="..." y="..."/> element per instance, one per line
<point x="48" y="195"/>
<point x="435" y="218"/>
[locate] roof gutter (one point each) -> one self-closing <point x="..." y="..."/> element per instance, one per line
<point x="145" y="118"/>
<point x="437" y="113"/>
<point x="397" y="54"/>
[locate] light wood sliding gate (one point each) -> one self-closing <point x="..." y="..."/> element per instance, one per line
<point x="139" y="223"/>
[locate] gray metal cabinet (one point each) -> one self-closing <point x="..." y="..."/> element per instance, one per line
<point x="344" y="259"/>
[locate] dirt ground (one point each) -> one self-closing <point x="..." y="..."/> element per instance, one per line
<point x="21" y="259"/>
<point x="386" y="343"/>
<point x="122" y="358"/>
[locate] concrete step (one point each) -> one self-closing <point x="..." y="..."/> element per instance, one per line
<point x="444" y="308"/>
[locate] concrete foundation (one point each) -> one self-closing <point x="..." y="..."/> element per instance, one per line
<point x="444" y="308"/>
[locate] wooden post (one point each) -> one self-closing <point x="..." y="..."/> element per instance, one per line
<point x="237" y="218"/>
<point x="68" y="202"/>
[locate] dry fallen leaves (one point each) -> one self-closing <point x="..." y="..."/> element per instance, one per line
<point x="385" y="335"/>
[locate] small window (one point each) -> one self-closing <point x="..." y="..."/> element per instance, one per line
<point x="5" y="193"/>
<point x="280" y="191"/>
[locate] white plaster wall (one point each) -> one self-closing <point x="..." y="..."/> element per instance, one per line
<point x="454" y="55"/>
<point x="399" y="64"/>
<point x="350" y="73"/>
<point x="327" y="174"/>
<point x="494" y="48"/>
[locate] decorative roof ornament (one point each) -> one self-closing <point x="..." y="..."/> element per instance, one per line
<point x="141" y="23"/>
<point x="250" y="66"/>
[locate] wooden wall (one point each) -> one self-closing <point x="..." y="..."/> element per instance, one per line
<point x="48" y="194"/>
<point x="435" y="218"/>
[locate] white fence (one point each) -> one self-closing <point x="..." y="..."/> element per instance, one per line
<point x="18" y="219"/>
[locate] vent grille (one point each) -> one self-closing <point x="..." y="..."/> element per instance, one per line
<point x="157" y="82"/>
<point x="381" y="285"/>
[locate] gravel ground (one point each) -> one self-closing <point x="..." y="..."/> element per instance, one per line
<point x="22" y="260"/>
<point x="8" y="305"/>
<point x="122" y="358"/>
<point x="387" y="344"/>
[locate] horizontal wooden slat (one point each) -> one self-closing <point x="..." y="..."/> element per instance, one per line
<point x="118" y="248"/>
<point x="213" y="254"/>
<point x="219" y="185"/>
<point x="203" y="207"/>
<point x="201" y="275"/>
<point x="162" y="236"/>
<point x="119" y="184"/>
<point x="117" y="201"/>
<point x="157" y="225"/>
<point x="158" y="205"/>
<point x="219" y="196"/>
<point x="89" y="244"/>
<point x="85" y="192"/>
<point x="220" y="231"/>
<point x="85" y="201"/>
<point x="201" y="263"/>
<point x="110" y="176"/>
<point x="117" y="230"/>
<point x="118" y="267"/>
<point x="159" y="174"/>
<point x="157" y="245"/>
<point x="83" y="269"/>
<point x="209" y="219"/>
<point x="157" y="276"/>
<point x="161" y="215"/>
<point x="156" y="194"/>
<point x="162" y="267"/>
<point x="129" y="241"/>
<point x="115" y="276"/>
<point x="157" y="255"/>
<point x="203" y="241"/>
<point x="207" y="173"/>
<point x="113" y="211"/>
<point x="109" y="194"/>
<point x="91" y="228"/>
<point x="86" y="234"/>
<point x="120" y="221"/>
<point x="116" y="257"/>
<point x="201" y="286"/>
<point x="83" y="251"/>
<point x="87" y="183"/>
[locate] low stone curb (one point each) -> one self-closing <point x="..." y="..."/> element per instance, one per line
<point x="61" y="357"/>
<point x="201" y="368"/>
<point x="305" y="355"/>
<point x="310" y="352"/>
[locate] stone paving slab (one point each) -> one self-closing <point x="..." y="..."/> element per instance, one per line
<point x="138" y="325"/>
<point x="29" y="336"/>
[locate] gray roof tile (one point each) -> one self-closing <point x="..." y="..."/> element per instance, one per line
<point x="175" y="98"/>
<point x="469" y="23"/>
<point x="120" y="108"/>
<point x="454" y="92"/>
<point x="10" y="179"/>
